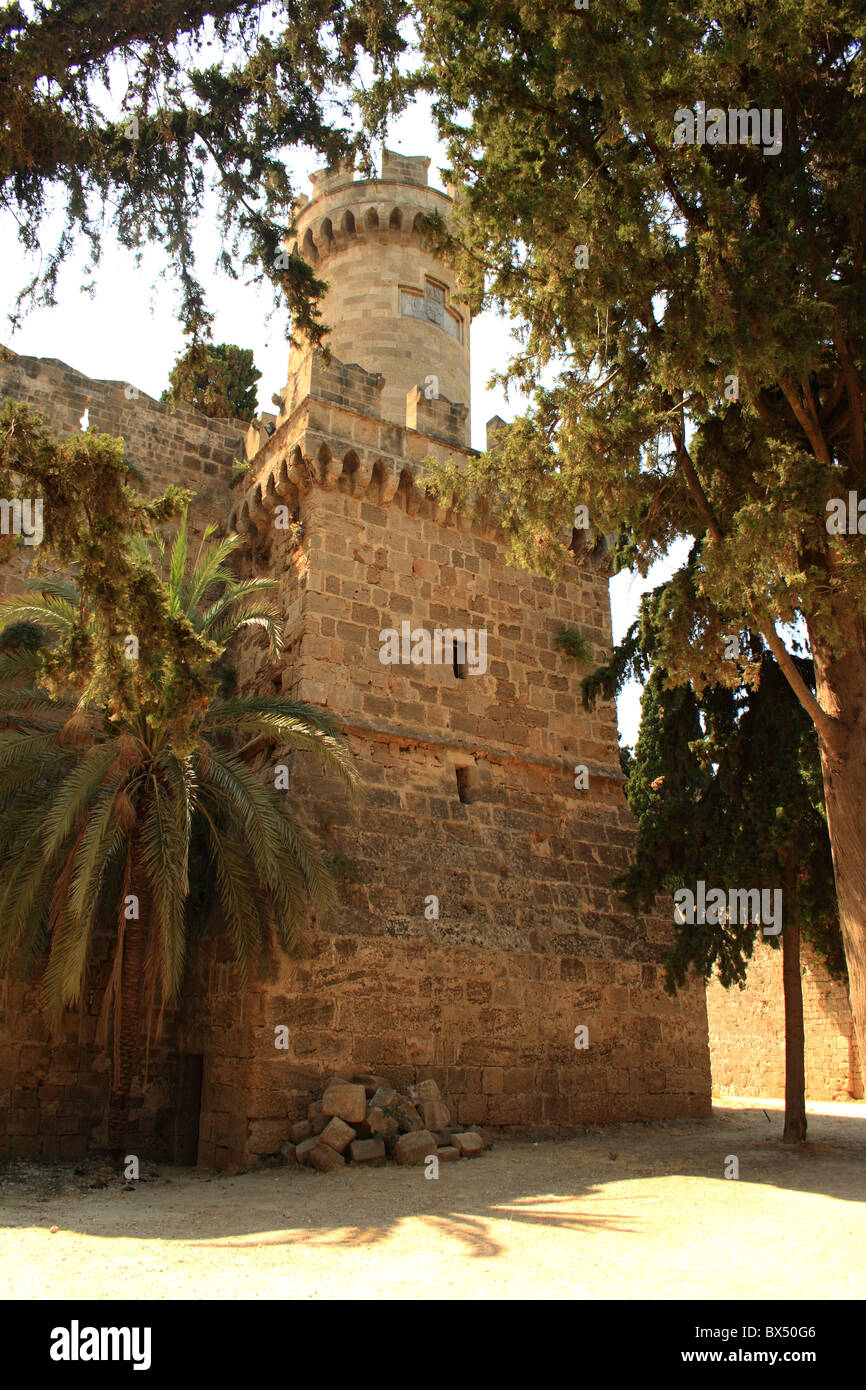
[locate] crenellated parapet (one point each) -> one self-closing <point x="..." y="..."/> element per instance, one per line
<point x="335" y="440"/>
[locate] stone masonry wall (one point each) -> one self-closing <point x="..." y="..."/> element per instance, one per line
<point x="54" y="1087"/>
<point x="530" y="941"/>
<point x="747" y="1032"/>
<point x="166" y="444"/>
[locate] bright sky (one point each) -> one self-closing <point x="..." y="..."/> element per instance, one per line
<point x="127" y="330"/>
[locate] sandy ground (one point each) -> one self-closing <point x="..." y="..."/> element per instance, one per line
<point x="628" y="1211"/>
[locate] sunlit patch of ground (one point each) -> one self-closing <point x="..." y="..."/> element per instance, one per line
<point x="628" y="1211"/>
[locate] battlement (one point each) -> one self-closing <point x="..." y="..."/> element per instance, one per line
<point x="396" y="168"/>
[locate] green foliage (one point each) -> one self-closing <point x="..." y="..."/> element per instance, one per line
<point x="705" y="262"/>
<point x="218" y="379"/>
<point x="115" y="771"/>
<point x="574" y="644"/>
<point x="726" y="787"/>
<point x="142" y="110"/>
<point x="344" y="869"/>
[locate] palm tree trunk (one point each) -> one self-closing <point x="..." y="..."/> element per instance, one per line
<point x="795" y="1060"/>
<point x="131" y="1011"/>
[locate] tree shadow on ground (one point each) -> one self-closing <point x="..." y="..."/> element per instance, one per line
<point x="595" y="1182"/>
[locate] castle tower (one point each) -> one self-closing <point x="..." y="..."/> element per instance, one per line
<point x="392" y="307"/>
<point x="477" y="938"/>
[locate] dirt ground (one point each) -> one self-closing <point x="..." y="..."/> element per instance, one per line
<point x="627" y="1211"/>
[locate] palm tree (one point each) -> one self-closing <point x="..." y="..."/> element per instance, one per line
<point x="103" y="797"/>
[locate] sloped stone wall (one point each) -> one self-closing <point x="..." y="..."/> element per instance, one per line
<point x="747" y="1032"/>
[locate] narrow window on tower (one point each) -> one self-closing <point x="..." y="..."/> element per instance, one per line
<point x="458" y="653"/>
<point x="412" y="303"/>
<point x="434" y="302"/>
<point x="453" y="325"/>
<point x="463" y="784"/>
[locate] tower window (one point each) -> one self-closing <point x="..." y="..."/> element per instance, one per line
<point x="434" y="302"/>
<point x="431" y="306"/>
<point x="463" y="784"/>
<point x="459" y="660"/>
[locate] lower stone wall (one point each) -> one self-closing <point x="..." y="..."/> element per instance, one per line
<point x="530" y="943"/>
<point x="494" y="1029"/>
<point x="54" y="1086"/>
<point x="747" y="1033"/>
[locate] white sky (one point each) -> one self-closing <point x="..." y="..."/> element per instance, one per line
<point x="127" y="330"/>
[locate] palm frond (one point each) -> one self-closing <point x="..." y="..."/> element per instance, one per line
<point x="19" y="664"/>
<point x="16" y="746"/>
<point x="209" y="570"/>
<point x="23" y="884"/>
<point x="239" y="894"/>
<point x="293" y="723"/>
<point x="30" y="705"/>
<point x="95" y="845"/>
<point x="285" y="877"/>
<point x="164" y="841"/>
<point x="72" y="798"/>
<point x="45" y="610"/>
<point x="65" y="935"/>
<point x="58" y="588"/>
<point x="239" y="592"/>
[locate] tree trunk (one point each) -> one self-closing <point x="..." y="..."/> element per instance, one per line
<point x="841" y="690"/>
<point x="795" y="1060"/>
<point x="131" y="1025"/>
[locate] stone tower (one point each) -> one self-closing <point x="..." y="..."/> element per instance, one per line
<point x="476" y="938"/>
<point x="364" y="237"/>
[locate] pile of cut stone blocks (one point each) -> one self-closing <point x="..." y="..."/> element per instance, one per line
<point x="366" y="1120"/>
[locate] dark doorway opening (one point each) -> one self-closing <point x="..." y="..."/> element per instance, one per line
<point x="190" y="1074"/>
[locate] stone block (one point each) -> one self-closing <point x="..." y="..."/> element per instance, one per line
<point x="469" y="1145"/>
<point x="435" y="1115"/>
<point x="381" y="1124"/>
<point x="425" y="1090"/>
<point x="266" y="1136"/>
<point x="370" y="1151"/>
<point x="304" y="1149"/>
<point x="448" y="1153"/>
<point x="371" y="1082"/>
<point x="408" y="1118"/>
<point x="337" y="1134"/>
<point x="414" y="1147"/>
<point x="347" y="1101"/>
<point x="382" y="1096"/>
<point x="289" y="1152"/>
<point x="326" y="1159"/>
<point x="301" y="1130"/>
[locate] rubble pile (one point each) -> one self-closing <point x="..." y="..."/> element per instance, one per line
<point x="366" y="1120"/>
